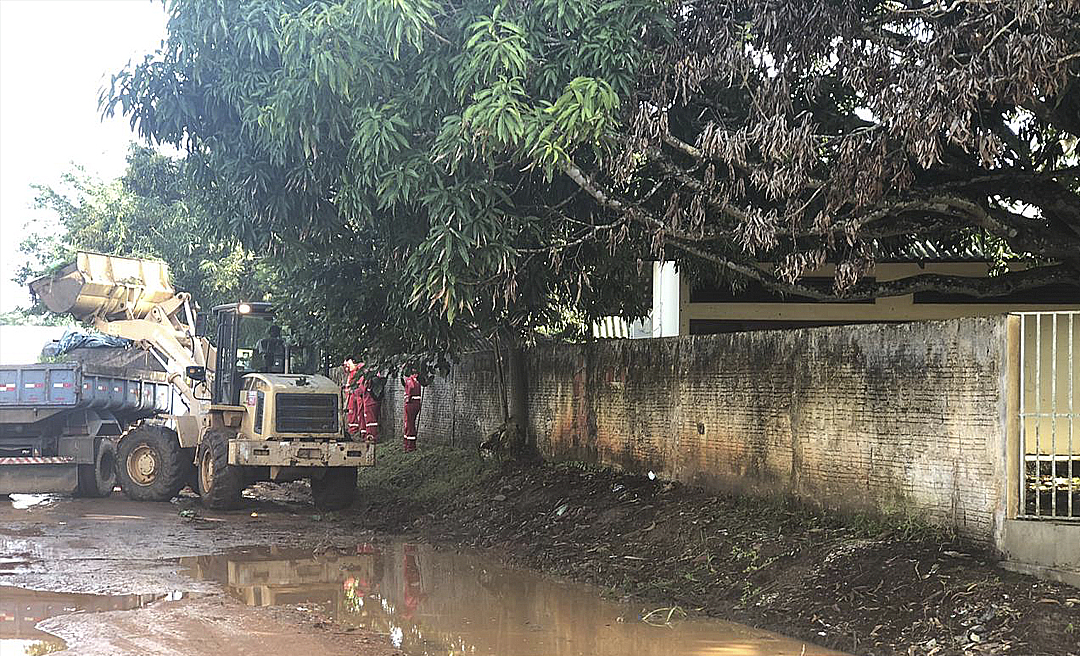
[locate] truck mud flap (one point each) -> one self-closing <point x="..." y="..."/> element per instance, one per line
<point x="38" y="475"/>
<point x="268" y="453"/>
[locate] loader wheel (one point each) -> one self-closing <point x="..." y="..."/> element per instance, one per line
<point x="151" y="465"/>
<point x="336" y="489"/>
<point x="191" y="470"/>
<point x="98" y="479"/>
<point x="220" y="483"/>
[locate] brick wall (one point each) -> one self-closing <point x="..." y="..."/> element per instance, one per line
<point x="459" y="409"/>
<point x="895" y="418"/>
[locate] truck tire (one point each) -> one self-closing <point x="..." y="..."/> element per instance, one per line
<point x="220" y="483"/>
<point x="336" y="489"/>
<point x="98" y="479"/>
<point x="150" y="465"/>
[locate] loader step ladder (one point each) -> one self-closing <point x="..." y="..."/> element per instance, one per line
<point x="1050" y="415"/>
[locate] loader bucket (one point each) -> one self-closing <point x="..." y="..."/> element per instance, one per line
<point x="106" y="286"/>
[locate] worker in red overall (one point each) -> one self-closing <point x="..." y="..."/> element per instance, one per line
<point x="371" y="400"/>
<point x="354" y="409"/>
<point x="413" y="398"/>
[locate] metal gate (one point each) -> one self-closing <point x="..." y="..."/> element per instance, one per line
<point x="1050" y="415"/>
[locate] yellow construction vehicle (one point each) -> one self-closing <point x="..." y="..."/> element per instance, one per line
<point x="252" y="406"/>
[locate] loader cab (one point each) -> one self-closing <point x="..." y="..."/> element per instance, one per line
<point x="249" y="341"/>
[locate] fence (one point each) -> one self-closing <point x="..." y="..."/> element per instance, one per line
<point x="1049" y="415"/>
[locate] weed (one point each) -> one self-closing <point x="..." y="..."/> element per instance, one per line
<point x="434" y="474"/>
<point x="580" y="466"/>
<point x="749" y="592"/>
<point x="752" y="558"/>
<point x="898" y="524"/>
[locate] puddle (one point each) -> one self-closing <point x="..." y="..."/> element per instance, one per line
<point x="432" y="603"/>
<point x="24" y="501"/>
<point x="21" y="610"/>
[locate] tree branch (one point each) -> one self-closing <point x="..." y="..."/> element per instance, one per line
<point x="971" y="286"/>
<point x="979" y="287"/>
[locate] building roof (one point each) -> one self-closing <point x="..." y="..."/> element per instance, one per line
<point x="929" y="251"/>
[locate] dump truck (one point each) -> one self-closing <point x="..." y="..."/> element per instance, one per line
<point x="245" y="407"/>
<point x="59" y="424"/>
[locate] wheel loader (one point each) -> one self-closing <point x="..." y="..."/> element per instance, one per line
<point x="248" y="407"/>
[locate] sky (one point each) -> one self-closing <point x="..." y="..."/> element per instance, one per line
<point x="55" y="55"/>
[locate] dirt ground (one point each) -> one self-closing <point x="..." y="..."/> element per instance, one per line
<point x="851" y="584"/>
<point x="874" y="587"/>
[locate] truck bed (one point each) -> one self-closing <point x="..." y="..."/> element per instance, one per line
<point x="74" y="385"/>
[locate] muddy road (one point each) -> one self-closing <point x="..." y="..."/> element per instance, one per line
<point x="108" y="576"/>
<point x="111" y="576"/>
<point x="447" y="554"/>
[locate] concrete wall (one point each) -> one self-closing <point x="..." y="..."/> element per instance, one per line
<point x="888" y="417"/>
<point x="459" y="409"/>
<point x="1049" y="550"/>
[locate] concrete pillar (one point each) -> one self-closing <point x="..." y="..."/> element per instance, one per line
<point x="666" y="290"/>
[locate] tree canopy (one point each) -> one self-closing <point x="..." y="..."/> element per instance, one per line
<point x="150" y="211"/>
<point x="424" y="171"/>
<point x="803" y="133"/>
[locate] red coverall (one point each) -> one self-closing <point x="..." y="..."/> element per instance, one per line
<point x="413" y="397"/>
<point x="354" y="410"/>
<point x="413" y="592"/>
<point x="370" y="406"/>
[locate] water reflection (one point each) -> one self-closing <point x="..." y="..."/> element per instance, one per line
<point x="267" y="576"/>
<point x="29" y="647"/>
<point x="24" y="501"/>
<point x="21" y="610"/>
<point x="443" y="604"/>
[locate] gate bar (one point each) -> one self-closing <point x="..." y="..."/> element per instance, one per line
<point x="1068" y="411"/>
<point x="1023" y="419"/>
<point x="1038" y="411"/>
<point x="1053" y="419"/>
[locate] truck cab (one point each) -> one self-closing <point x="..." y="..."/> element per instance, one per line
<point x="249" y="341"/>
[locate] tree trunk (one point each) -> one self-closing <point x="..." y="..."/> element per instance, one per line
<point x="518" y="399"/>
<point x="511" y="439"/>
<point x="500" y="371"/>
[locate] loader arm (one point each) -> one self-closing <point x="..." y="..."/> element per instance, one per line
<point x="134" y="299"/>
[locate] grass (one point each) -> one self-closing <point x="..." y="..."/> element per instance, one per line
<point x="900" y="525"/>
<point x="430" y="476"/>
<point x="435" y="474"/>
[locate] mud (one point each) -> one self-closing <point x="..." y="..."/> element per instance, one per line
<point x="21" y="611"/>
<point x="215" y="625"/>
<point x="280" y="577"/>
<point x="863" y="585"/>
<point x="69" y="562"/>
<point x="117" y="577"/>
<point x="429" y="602"/>
<point x="114" y="546"/>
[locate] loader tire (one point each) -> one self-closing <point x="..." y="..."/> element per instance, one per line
<point x="191" y="474"/>
<point x="220" y="483"/>
<point x="99" y="478"/>
<point x="336" y="489"/>
<point x="151" y="465"/>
